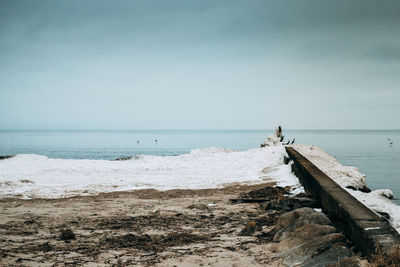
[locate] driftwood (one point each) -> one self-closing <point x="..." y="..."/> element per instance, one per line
<point x="247" y="200"/>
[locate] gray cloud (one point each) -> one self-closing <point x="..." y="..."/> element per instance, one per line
<point x="198" y="64"/>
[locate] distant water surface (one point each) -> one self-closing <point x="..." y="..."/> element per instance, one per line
<point x="368" y="150"/>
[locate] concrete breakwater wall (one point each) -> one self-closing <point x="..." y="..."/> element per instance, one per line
<point x="367" y="230"/>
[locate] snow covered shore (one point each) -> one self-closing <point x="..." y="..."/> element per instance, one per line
<point x="346" y="176"/>
<point x="33" y="176"/>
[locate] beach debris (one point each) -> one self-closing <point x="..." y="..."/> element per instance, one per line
<point x="277" y="204"/>
<point x="153" y="242"/>
<point x="123" y="158"/>
<point x="211" y="205"/>
<point x="26" y="181"/>
<point x="261" y="195"/>
<point x="250" y="228"/>
<point x="45" y="247"/>
<point x="67" y="234"/>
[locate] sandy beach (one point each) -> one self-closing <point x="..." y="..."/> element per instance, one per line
<point x="143" y="227"/>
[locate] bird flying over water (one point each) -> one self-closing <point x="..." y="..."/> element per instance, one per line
<point x="390" y="142"/>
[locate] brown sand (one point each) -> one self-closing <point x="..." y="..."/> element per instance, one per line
<point x="144" y="227"/>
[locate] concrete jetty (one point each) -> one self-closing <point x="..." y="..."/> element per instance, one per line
<point x="369" y="232"/>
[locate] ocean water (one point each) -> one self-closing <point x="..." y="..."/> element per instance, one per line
<point x="367" y="150"/>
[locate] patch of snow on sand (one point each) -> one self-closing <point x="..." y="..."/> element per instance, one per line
<point x="202" y="168"/>
<point x="376" y="200"/>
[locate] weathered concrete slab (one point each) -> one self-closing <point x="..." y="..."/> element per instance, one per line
<point x="366" y="229"/>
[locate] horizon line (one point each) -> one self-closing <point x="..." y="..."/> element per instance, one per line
<point x="194" y="129"/>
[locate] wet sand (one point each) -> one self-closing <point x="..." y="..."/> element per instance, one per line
<point x="144" y="227"/>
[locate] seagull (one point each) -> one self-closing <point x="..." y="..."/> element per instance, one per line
<point x="390" y="141"/>
<point x="293" y="141"/>
<point x="138" y="141"/>
<point x="156" y="141"/>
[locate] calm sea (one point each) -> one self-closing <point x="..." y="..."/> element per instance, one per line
<point x="369" y="150"/>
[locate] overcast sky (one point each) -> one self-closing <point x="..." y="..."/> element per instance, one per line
<point x="200" y="64"/>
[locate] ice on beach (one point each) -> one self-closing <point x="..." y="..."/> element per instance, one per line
<point x="32" y="176"/>
<point x="345" y="176"/>
<point x="379" y="203"/>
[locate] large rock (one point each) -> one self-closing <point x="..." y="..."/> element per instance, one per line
<point x="291" y="223"/>
<point x="304" y="234"/>
<point x="307" y="236"/>
<point x="305" y="252"/>
<point x="330" y="256"/>
<point x="290" y="217"/>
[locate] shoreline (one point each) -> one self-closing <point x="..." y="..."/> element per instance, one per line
<point x="202" y="224"/>
<point x="179" y="226"/>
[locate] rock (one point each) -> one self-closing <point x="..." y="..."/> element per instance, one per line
<point x="330" y="256"/>
<point x="6" y="157"/>
<point x="365" y="189"/>
<point x="67" y="234"/>
<point x="290" y="217"/>
<point x="353" y="261"/>
<point x="291" y="222"/>
<point x="351" y="187"/>
<point x="304" y="234"/>
<point x="286" y="160"/>
<point x="304" y="252"/>
<point x="314" y="218"/>
<point x="250" y="228"/>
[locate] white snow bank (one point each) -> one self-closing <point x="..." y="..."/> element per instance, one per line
<point x="343" y="175"/>
<point x="30" y="176"/>
<point x="272" y="140"/>
<point x="379" y="203"/>
<point x="377" y="200"/>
